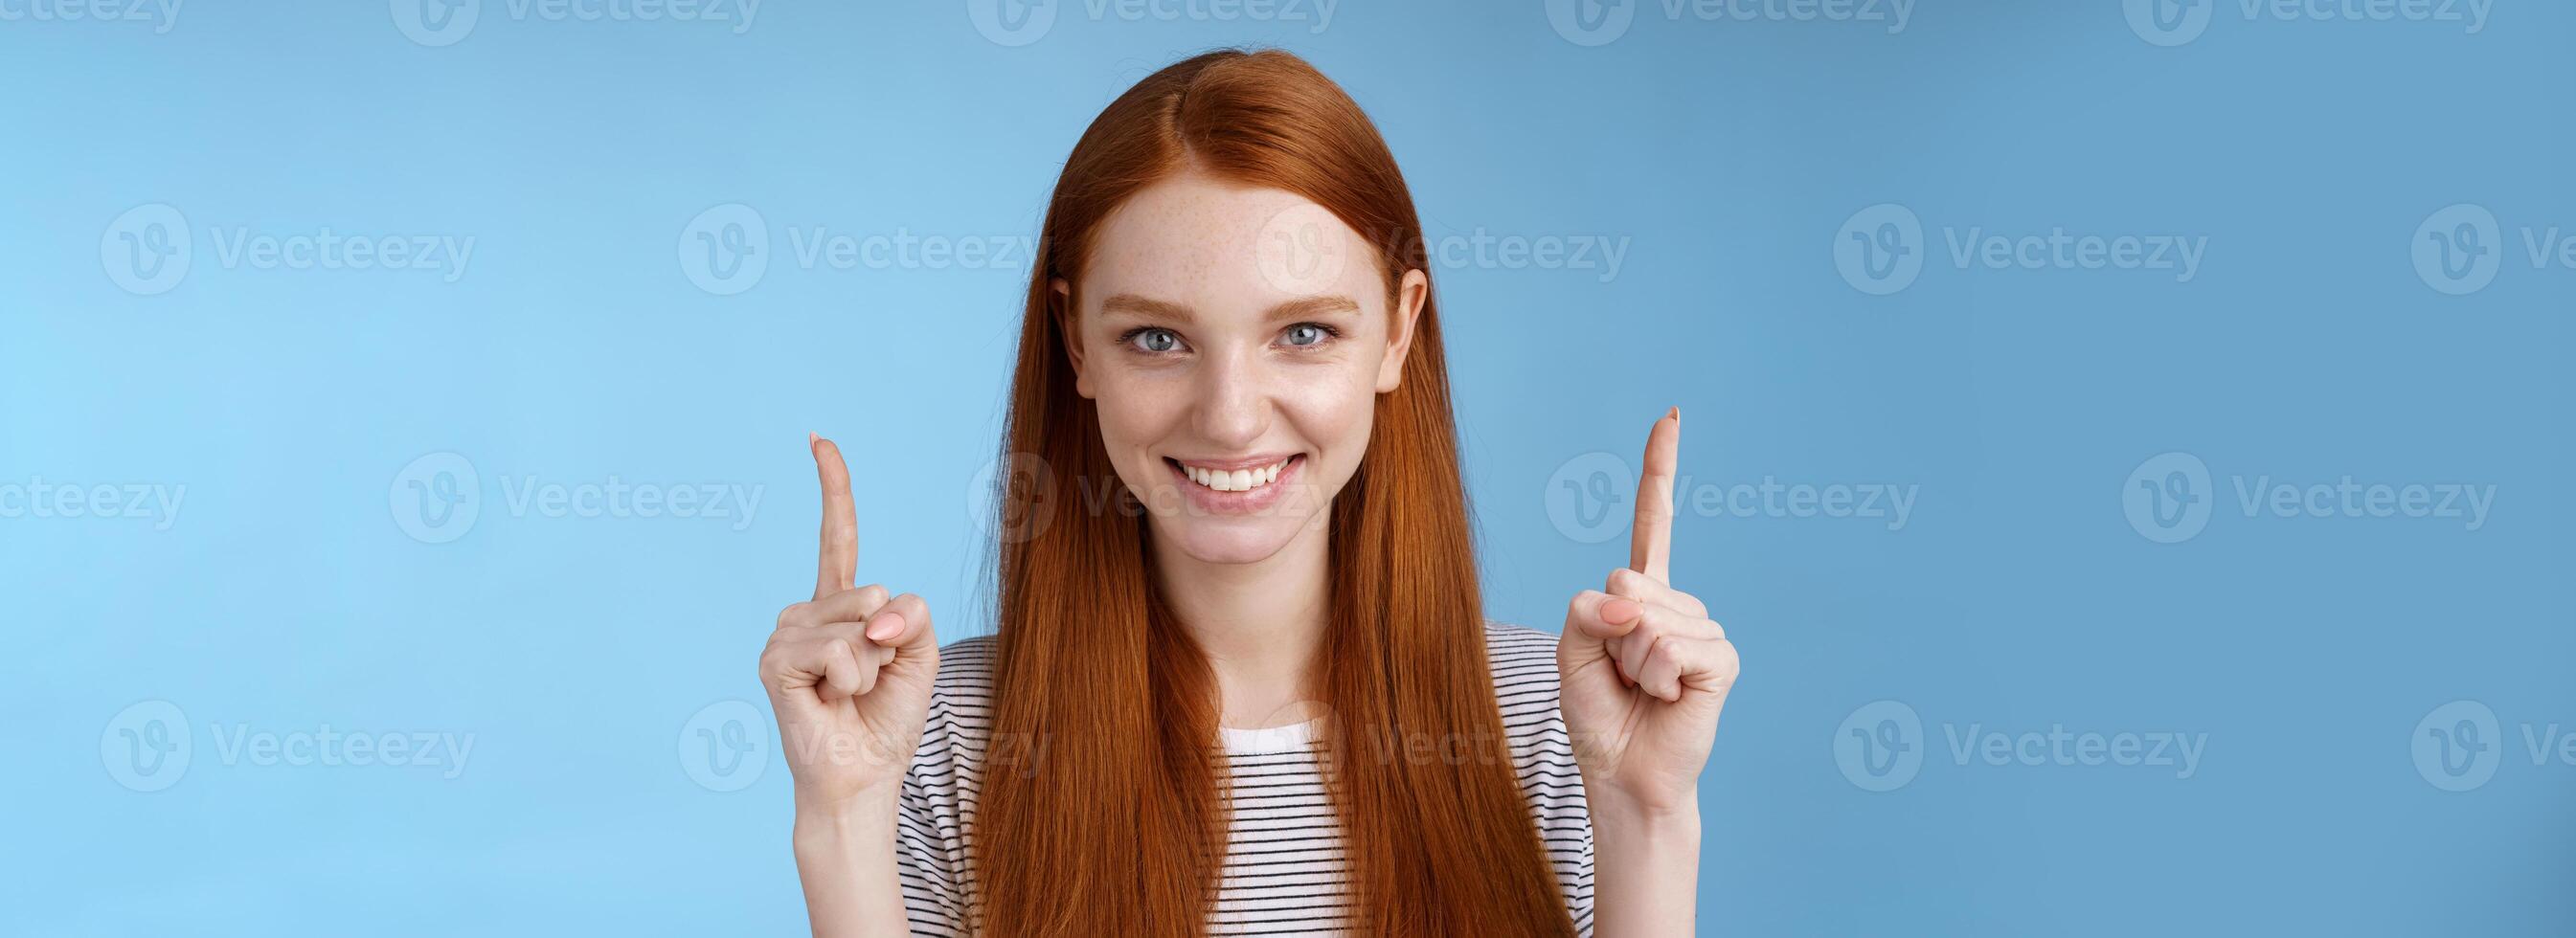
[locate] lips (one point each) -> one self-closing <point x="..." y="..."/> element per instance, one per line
<point x="1234" y="480"/>
<point x="1234" y="485"/>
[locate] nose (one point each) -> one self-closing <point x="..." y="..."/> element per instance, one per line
<point x="1233" y="408"/>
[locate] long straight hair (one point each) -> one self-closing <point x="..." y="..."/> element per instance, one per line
<point x="1119" y="830"/>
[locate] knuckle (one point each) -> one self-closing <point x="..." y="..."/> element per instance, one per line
<point x="1620" y="582"/>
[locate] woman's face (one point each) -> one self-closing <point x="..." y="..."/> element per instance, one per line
<point x="1235" y="340"/>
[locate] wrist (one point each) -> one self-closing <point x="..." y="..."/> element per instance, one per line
<point x="825" y="824"/>
<point x="1661" y="819"/>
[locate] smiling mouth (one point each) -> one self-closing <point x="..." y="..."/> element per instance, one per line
<point x="1233" y="479"/>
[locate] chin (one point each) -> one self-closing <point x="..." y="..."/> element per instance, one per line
<point x="1228" y="541"/>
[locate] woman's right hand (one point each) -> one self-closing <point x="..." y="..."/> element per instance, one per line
<point x="849" y="674"/>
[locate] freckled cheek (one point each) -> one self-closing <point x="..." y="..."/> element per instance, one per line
<point x="1333" y="415"/>
<point x="1139" y="411"/>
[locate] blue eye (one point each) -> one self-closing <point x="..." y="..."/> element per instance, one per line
<point x="1153" y="340"/>
<point x="1309" y="334"/>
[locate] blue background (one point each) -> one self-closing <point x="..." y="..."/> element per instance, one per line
<point x="285" y="594"/>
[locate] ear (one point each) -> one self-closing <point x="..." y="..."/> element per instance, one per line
<point x="1411" y="294"/>
<point x="1068" y="325"/>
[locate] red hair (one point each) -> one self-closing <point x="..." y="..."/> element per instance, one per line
<point x="1120" y="831"/>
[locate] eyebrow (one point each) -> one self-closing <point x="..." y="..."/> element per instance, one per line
<point x="1290" y="309"/>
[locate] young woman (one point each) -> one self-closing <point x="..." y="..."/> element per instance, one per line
<point x="1242" y="682"/>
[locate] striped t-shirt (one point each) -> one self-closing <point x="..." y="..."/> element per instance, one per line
<point x="1284" y="869"/>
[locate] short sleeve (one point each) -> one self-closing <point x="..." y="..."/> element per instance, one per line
<point x="931" y="820"/>
<point x="927" y="857"/>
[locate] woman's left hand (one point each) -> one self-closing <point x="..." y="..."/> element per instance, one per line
<point x="1643" y="669"/>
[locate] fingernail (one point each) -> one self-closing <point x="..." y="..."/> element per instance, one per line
<point x="886" y="627"/>
<point x="1621" y="611"/>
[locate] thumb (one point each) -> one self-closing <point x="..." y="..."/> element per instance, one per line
<point x="903" y="624"/>
<point x="1592" y="621"/>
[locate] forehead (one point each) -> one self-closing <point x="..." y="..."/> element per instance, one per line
<point x="1224" y="248"/>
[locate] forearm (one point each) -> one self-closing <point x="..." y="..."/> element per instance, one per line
<point x="1645" y="869"/>
<point x="845" y="858"/>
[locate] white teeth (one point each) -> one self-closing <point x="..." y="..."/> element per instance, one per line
<point x="1237" y="480"/>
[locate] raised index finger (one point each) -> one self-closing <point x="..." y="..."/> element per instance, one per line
<point x="1650" y="540"/>
<point x="840" y="553"/>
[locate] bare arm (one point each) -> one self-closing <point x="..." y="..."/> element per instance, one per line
<point x="845" y="857"/>
<point x="1646" y="870"/>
